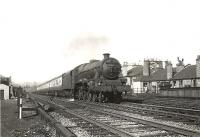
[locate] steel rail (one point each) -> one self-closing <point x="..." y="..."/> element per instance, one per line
<point x="102" y="125"/>
<point x="183" y="110"/>
<point x="163" y="126"/>
<point x="156" y="112"/>
<point x="127" y="116"/>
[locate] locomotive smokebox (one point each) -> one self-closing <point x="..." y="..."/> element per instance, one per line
<point x="106" y="55"/>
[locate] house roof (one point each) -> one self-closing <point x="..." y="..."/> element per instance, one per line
<point x="159" y="75"/>
<point x="144" y="78"/>
<point x="136" y="71"/>
<point x="188" y="72"/>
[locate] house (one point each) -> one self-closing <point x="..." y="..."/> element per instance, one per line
<point x="140" y="77"/>
<point x="151" y="76"/>
<point x="133" y="78"/>
<point x="4" y="87"/>
<point x="189" y="76"/>
<point x="153" y="73"/>
<point x="179" y="77"/>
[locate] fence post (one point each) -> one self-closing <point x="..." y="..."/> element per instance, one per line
<point x="20" y="107"/>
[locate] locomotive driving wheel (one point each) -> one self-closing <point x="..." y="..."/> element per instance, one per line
<point x="106" y="98"/>
<point x="100" y="98"/>
<point x="79" y="94"/>
<point x="94" y="97"/>
<point x="118" y="98"/>
<point x="89" y="97"/>
<point x="103" y="98"/>
<point x="84" y="95"/>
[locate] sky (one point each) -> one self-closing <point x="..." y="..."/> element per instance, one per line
<point x="42" y="39"/>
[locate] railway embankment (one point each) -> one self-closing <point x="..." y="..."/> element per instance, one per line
<point x="29" y="125"/>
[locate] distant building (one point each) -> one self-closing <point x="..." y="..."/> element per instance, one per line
<point x="139" y="76"/>
<point x="125" y="68"/>
<point x="132" y="72"/>
<point x="189" y="76"/>
<point x="133" y="76"/>
<point x="5" y="87"/>
<point x="151" y="76"/>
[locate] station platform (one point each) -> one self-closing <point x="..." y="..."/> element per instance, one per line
<point x="11" y="126"/>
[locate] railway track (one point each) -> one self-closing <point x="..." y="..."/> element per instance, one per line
<point x="116" y="123"/>
<point x="187" y="116"/>
<point x="165" y="108"/>
<point x="81" y="126"/>
<point x="179" y="119"/>
<point x="175" y="102"/>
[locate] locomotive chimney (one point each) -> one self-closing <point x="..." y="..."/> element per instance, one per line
<point x="106" y="55"/>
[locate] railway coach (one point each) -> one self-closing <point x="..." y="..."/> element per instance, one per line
<point x="53" y="87"/>
<point x="98" y="80"/>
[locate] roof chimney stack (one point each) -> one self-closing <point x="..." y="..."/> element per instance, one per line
<point x="198" y="66"/>
<point x="180" y="65"/>
<point x="168" y="67"/>
<point x="198" y="71"/>
<point x="146" y="68"/>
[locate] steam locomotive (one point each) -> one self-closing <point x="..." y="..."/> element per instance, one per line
<point x="97" y="81"/>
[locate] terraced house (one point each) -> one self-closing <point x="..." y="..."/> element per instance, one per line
<point x="151" y="77"/>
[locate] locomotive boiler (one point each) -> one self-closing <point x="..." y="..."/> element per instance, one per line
<point x="98" y="80"/>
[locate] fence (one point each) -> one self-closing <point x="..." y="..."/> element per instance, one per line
<point x="192" y="92"/>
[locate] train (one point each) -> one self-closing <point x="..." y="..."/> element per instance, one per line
<point x="96" y="81"/>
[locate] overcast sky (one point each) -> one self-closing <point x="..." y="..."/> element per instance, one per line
<point x="40" y="39"/>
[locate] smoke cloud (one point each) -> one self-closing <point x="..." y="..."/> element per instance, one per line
<point x="83" y="48"/>
<point x="86" y="47"/>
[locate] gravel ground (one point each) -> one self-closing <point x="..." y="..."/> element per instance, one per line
<point x="35" y="131"/>
<point x="81" y="129"/>
<point x="79" y="132"/>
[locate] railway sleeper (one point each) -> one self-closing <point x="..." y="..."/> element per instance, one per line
<point x="158" y="135"/>
<point x="187" y="119"/>
<point x="135" y="127"/>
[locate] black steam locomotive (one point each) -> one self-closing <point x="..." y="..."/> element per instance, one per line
<point x="95" y="81"/>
